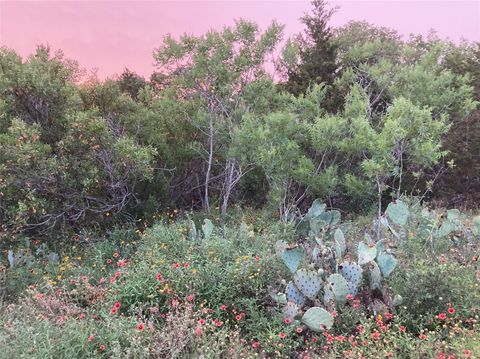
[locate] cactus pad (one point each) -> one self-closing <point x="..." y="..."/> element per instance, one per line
<point x="292" y="258"/>
<point x="386" y="262"/>
<point x="339" y="287"/>
<point x="207" y="228"/>
<point x="308" y="282"/>
<point x="294" y="295"/>
<point x="339" y="241"/>
<point x="365" y="253"/>
<point x="352" y="273"/>
<point x="317" y="319"/>
<point x="291" y="310"/>
<point x="398" y="212"/>
<point x="375" y="275"/>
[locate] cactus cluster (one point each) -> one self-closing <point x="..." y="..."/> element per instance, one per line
<point x="205" y="233"/>
<point x="322" y="276"/>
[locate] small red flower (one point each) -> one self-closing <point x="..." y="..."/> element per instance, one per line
<point x="287" y="320"/>
<point x="198" y="331"/>
<point x="402" y="329"/>
<point x="109" y="261"/>
<point x="299" y="330"/>
<point x="360" y="328"/>
<point x="256" y="345"/>
<point x="442" y="316"/>
<point x="422" y="336"/>
<point x="102" y="347"/>
<point x="375" y="335"/>
<point x="117" y="305"/>
<point x="191" y="298"/>
<point x="451" y="310"/>
<point x="118" y="274"/>
<point x="388" y="316"/>
<point x="121" y="263"/>
<point x="257" y="258"/>
<point x="223" y="307"/>
<point x="282" y="335"/>
<point x="238" y="317"/>
<point x="176" y="265"/>
<point x="116" y="255"/>
<point x="201" y="321"/>
<point x="467" y="352"/>
<point x="140" y="327"/>
<point x="349" y="297"/>
<point x="90" y="338"/>
<point x="186" y="265"/>
<point x="218" y="323"/>
<point x="114" y="311"/>
<point x="158" y="277"/>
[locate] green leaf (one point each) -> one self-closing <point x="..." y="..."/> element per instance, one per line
<point x="317" y="319"/>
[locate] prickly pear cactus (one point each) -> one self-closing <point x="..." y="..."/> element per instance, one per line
<point x="291" y="310"/>
<point x="294" y="294"/>
<point x="207" y="228"/>
<point x="339" y="287"/>
<point x="366" y="253"/>
<point x="398" y="212"/>
<point x="292" y="258"/>
<point x="317" y="319"/>
<point x="308" y="282"/>
<point x="352" y="273"/>
<point x="339" y="242"/>
<point x="375" y="275"/>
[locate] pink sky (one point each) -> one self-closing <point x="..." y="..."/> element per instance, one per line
<point x="112" y="35"/>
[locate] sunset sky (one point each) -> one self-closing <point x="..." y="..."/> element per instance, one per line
<point x="112" y="35"/>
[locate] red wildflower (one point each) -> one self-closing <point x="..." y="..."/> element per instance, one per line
<point x="198" y="331"/>
<point x="256" y="345"/>
<point x="117" y="305"/>
<point x="360" y="328"/>
<point x="114" y="311"/>
<point x="109" y="261"/>
<point x="299" y="330"/>
<point x="121" y="263"/>
<point x="238" y="317"/>
<point x="422" y="336"/>
<point x="467" y="352"/>
<point x="388" y="316"/>
<point x="442" y="316"/>
<point x="186" y="265"/>
<point x="158" y="276"/>
<point x="223" y="307"/>
<point x="116" y="255"/>
<point x="102" y="347"/>
<point x="201" y="321"/>
<point x="140" y="327"/>
<point x="287" y="320"/>
<point x="90" y="338"/>
<point x="218" y="323"/>
<point x="349" y="297"/>
<point x="118" y="274"/>
<point x="451" y="310"/>
<point x="375" y="335"/>
<point x="282" y="335"/>
<point x="190" y="297"/>
<point x="402" y="329"/>
<point x="257" y="258"/>
<point x="176" y="265"/>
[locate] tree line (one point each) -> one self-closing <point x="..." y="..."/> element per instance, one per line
<point x="353" y="115"/>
